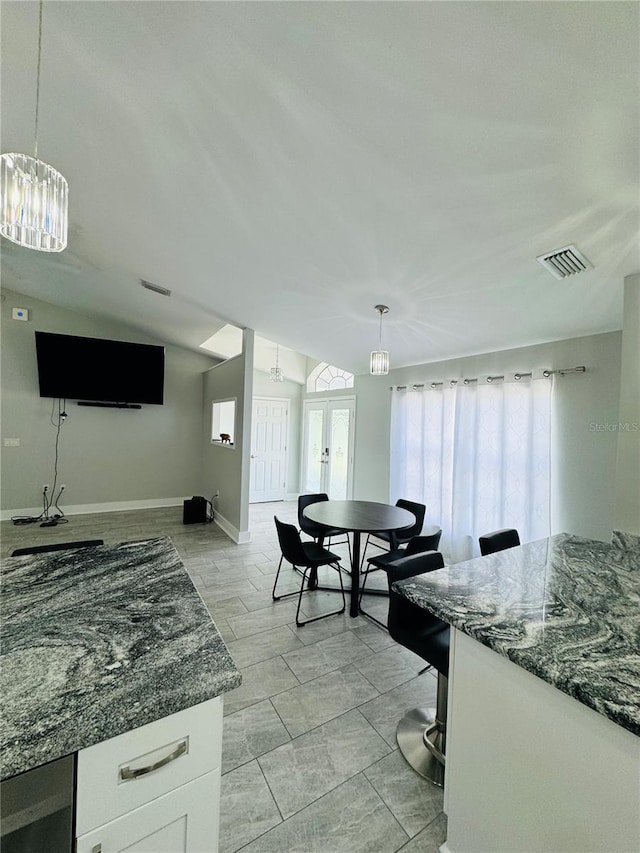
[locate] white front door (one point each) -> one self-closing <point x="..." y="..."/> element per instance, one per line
<point x="327" y="463"/>
<point x="269" y="428"/>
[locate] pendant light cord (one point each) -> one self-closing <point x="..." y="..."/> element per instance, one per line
<point x="380" y="334"/>
<point x="35" y="142"/>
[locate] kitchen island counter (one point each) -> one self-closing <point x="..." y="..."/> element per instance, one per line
<point x="566" y="609"/>
<point x="99" y="641"/>
<point x="535" y="628"/>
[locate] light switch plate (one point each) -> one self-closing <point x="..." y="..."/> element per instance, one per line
<point x="20" y="313"/>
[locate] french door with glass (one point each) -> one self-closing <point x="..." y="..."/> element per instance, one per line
<point x="327" y="458"/>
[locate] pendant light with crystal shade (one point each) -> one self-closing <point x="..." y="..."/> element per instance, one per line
<point x="276" y="372"/>
<point x="379" y="362"/>
<point x="34" y="196"/>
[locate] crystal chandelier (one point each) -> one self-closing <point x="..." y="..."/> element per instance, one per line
<point x="34" y="195"/>
<point x="379" y="362"/>
<point x="276" y="372"/>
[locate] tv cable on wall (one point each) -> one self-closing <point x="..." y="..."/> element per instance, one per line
<point x="50" y="500"/>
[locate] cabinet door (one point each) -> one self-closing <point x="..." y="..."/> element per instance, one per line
<point x="183" y="821"/>
<point x="192" y="741"/>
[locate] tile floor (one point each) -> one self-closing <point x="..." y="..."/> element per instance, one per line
<point x="310" y="761"/>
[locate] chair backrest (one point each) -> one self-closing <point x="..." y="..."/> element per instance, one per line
<point x="406" y="618"/>
<point x="423" y="543"/>
<point x="290" y="543"/>
<point x="419" y="511"/>
<point x="58" y="546"/>
<point x="311" y="528"/>
<point x="499" y="540"/>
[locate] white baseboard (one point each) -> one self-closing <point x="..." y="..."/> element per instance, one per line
<point x="85" y="509"/>
<point x="444" y="849"/>
<point x="292" y="496"/>
<point x="240" y="537"/>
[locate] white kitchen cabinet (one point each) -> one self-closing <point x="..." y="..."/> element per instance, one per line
<point x="184" y="821"/>
<point x="529" y="767"/>
<point x="155" y="788"/>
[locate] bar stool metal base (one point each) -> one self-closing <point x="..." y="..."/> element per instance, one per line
<point x="422" y="737"/>
<point x="419" y="740"/>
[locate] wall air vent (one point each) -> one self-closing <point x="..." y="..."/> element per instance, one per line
<point x="155" y="287"/>
<point x="562" y="263"/>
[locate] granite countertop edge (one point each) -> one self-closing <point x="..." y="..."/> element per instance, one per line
<point x="16" y="761"/>
<point x="547" y="655"/>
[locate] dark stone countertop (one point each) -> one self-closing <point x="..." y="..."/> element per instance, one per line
<point x="99" y="641"/>
<point x="566" y="609"/>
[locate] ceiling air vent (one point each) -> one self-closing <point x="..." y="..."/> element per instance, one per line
<point x="155" y="287"/>
<point x="562" y="263"/>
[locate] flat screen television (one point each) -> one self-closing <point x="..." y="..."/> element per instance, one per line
<point x="99" y="370"/>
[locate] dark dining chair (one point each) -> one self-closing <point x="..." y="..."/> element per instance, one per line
<point x="308" y="556"/>
<point x="318" y="532"/>
<point x="421" y="737"/>
<point x="389" y="540"/>
<point x="499" y="540"/>
<point x="58" y="546"/>
<point x="417" y="545"/>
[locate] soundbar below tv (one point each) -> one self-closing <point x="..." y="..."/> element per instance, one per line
<point x="97" y="370"/>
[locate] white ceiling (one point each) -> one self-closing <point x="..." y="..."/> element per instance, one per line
<point x="286" y="166"/>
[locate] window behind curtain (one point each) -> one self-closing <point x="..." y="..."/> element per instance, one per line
<point x="478" y="456"/>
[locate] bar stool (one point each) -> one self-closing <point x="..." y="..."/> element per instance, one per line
<point x="499" y="540"/>
<point x="421" y="737"/>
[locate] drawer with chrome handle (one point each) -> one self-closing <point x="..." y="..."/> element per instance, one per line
<point x="128" y="774"/>
<point x="121" y="774"/>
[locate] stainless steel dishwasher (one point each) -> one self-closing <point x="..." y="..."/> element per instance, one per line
<point x="36" y="809"/>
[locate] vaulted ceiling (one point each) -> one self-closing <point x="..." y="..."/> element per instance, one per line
<point x="286" y="166"/>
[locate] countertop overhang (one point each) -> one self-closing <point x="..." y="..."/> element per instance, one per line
<point x="99" y="641"/>
<point x="566" y="609"/>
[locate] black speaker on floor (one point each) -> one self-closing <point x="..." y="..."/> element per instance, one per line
<point x="195" y="511"/>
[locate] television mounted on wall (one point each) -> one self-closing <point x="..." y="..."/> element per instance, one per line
<point x="97" y="370"/>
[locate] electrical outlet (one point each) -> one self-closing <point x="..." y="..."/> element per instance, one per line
<point x="62" y="487"/>
<point x="217" y="494"/>
<point x="12" y="442"/>
<point x="45" y="487"/>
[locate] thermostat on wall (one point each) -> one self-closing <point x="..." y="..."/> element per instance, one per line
<point x="20" y="313"/>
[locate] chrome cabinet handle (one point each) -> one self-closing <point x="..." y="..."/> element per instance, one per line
<point x="127" y="774"/>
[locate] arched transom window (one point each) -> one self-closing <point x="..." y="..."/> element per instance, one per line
<point x="326" y="377"/>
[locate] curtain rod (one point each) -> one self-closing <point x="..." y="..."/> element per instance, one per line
<point x="491" y="378"/>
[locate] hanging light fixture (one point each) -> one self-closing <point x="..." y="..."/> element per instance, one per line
<point x="35" y="196"/>
<point x="379" y="362"/>
<point x="276" y="372"/>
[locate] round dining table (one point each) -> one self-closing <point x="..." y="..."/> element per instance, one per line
<point x="358" y="517"/>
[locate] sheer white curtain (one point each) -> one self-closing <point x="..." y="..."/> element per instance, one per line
<point x="478" y="456"/>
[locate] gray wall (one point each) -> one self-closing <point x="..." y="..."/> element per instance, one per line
<point x="584" y="459"/>
<point x="292" y="391"/>
<point x="226" y="469"/>
<point x="164" y="452"/>
<point x="627" y="515"/>
<point x="105" y="455"/>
